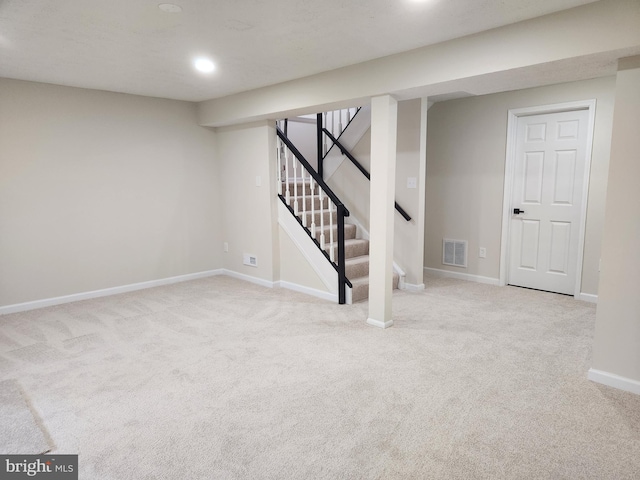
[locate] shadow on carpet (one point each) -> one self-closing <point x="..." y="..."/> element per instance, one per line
<point x="20" y="430"/>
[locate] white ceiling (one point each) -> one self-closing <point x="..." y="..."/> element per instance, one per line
<point x="131" y="46"/>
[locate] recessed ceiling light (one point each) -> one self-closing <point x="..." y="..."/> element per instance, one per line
<point x="170" y="8"/>
<point x="204" y="65"/>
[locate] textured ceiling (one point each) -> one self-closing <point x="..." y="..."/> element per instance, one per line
<point x="131" y="46"/>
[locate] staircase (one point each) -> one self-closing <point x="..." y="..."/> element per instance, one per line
<point x="356" y="249"/>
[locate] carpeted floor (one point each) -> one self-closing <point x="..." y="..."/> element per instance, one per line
<point x="221" y="379"/>
<point x="20" y="431"/>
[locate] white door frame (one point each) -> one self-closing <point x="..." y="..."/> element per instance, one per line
<point x="509" y="172"/>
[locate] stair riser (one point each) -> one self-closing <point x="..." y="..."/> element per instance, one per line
<point x="349" y="233"/>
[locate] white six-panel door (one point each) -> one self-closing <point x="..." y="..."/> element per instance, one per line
<point x="548" y="187"/>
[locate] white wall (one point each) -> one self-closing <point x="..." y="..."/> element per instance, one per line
<point x="303" y="135"/>
<point x="466" y="148"/>
<point x="249" y="214"/>
<point x="616" y="349"/>
<point x="100" y="189"/>
<point x="294" y="267"/>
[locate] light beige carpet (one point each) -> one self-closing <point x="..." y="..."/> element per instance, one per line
<point x="222" y="379"/>
<point x="20" y="432"/>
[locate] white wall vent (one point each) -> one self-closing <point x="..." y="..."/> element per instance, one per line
<point x="454" y="252"/>
<point x="249" y="259"/>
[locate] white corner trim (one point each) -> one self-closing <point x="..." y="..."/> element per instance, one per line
<point x="462" y="276"/>
<point x="248" y="278"/>
<point x="379" y="323"/>
<point x="615" y="381"/>
<point x="588" y="297"/>
<point x="332" y="297"/>
<point x="48" y="302"/>
<point x="412" y="287"/>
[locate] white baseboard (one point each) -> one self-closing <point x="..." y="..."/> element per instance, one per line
<point x="615" y="381"/>
<point x="379" y="323"/>
<point x="48" y="302"/>
<point x="462" y="276"/>
<point x="412" y="287"/>
<point x="588" y="297"/>
<point x="248" y="278"/>
<point x="332" y="297"/>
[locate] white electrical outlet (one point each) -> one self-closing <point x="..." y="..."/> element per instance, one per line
<point x="482" y="252"/>
<point x="250" y="259"/>
<point x="258" y="181"/>
<point x="225" y="246"/>
<point x="412" y="182"/>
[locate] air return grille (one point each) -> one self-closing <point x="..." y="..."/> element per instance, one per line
<point x="454" y="252"/>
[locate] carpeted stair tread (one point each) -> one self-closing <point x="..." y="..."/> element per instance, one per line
<point x="357" y="266"/>
<point x="356" y="250"/>
<point x="299" y="187"/>
<point x="316" y="217"/>
<point x="353" y="247"/>
<point x="349" y="232"/>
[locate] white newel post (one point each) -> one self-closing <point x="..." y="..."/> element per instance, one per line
<point x="295" y="184"/>
<point x="304" y="200"/>
<point x="384" y="117"/>
<point x="286" y="174"/>
<point x="279" y="166"/>
<point x="331" y="249"/>
<point x="313" y="207"/>
<point x="320" y="192"/>
<point x="324" y="137"/>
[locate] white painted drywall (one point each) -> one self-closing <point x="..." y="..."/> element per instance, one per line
<point x="99" y="190"/>
<point x="303" y="135"/>
<point x="249" y="213"/>
<point x="616" y="348"/>
<point x="466" y="145"/>
<point x="294" y="267"/>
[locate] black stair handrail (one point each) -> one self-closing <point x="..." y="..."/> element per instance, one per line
<point x="343" y="130"/>
<point x="359" y="166"/>
<point x="342" y="212"/>
<point x="320" y="126"/>
<point x="334" y="198"/>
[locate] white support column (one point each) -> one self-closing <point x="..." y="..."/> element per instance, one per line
<point x="422" y="181"/>
<point x="384" y="125"/>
